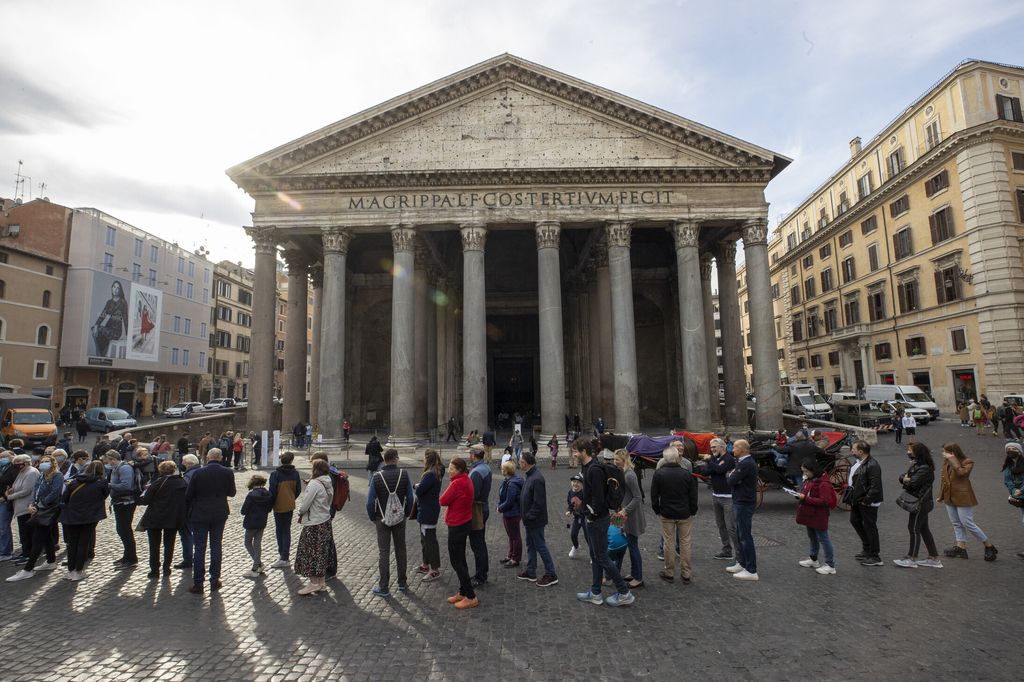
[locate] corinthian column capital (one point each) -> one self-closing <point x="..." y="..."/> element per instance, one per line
<point x="685" y="232"/>
<point x="548" y="233"/>
<point x="264" y="237"/>
<point x="474" y="235"/>
<point x="726" y="252"/>
<point x="403" y="238"/>
<point x="755" y="231"/>
<point x="316" y="275"/>
<point x="619" y="233"/>
<point x="336" y="239"/>
<point x="705" y="266"/>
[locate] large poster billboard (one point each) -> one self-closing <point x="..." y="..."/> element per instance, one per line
<point x="108" y="331"/>
<point x="144" y="323"/>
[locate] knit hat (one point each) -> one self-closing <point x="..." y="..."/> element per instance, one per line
<point x="607" y="454"/>
<point x="1014" y="445"/>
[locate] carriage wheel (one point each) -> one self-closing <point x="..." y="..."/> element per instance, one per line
<point x="761" y="487"/>
<point x="837" y="477"/>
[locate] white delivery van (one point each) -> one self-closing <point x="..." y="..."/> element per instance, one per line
<point x="908" y="394"/>
<point x="804" y="401"/>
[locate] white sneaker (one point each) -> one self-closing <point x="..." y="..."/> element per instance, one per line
<point x="6" y="557"/>
<point x="281" y="563"/>
<point x="573" y="552"/>
<point x="80" y="575"/>
<point x="745" y="575"/>
<point x="826" y="570"/>
<point x="20" y="575"/>
<point x="251" y="574"/>
<point x="809" y="563"/>
<point x="735" y="568"/>
<point x="70" y="575"/>
<point x="48" y="566"/>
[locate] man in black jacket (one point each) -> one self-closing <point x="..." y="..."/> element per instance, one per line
<point x="384" y="482"/>
<point x="597" y="519"/>
<point x="715" y="466"/>
<point x="533" y="502"/>
<point x="674" y="499"/>
<point x="743" y="480"/>
<point x="207" y="497"/>
<point x="865" y="497"/>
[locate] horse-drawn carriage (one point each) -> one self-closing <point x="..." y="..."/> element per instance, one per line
<point x="645" y="452"/>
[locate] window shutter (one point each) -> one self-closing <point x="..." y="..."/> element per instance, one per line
<point x="940" y="291"/>
<point x="896" y="245"/>
<point x="931" y="227"/>
<point x="1015" y="104"/>
<point x="902" y="291"/>
<point x="1020" y="204"/>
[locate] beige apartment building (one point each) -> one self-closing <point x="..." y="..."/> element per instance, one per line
<point x="905" y="266"/>
<point x="231" y="332"/>
<point x="34" y="240"/>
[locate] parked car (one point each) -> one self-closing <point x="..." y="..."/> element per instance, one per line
<point x="106" y="419"/>
<point x="860" y="413"/>
<point x="219" y="404"/>
<point x="242" y="403"/>
<point x="183" y="409"/>
<point x="919" y="414"/>
<point x="841" y="395"/>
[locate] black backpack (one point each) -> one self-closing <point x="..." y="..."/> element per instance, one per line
<point x="614" y="487"/>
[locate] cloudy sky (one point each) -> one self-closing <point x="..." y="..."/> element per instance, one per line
<point x="137" y="108"/>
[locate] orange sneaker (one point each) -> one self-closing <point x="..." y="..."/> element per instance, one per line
<point x="455" y="599"/>
<point x="467" y="603"/>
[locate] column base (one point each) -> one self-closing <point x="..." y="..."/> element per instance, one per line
<point x="404" y="444"/>
<point x="736" y="431"/>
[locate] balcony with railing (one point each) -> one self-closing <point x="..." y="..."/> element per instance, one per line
<point x="851" y="331"/>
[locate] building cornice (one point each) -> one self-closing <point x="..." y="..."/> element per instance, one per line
<point x="894" y="186"/>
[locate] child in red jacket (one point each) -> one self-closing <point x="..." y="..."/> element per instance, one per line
<point x="816" y="498"/>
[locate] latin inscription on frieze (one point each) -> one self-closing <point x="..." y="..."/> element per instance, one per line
<point x="376" y="202"/>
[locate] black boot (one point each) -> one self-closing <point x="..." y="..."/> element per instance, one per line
<point x="990" y="553"/>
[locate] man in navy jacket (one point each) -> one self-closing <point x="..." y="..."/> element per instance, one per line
<point x="716" y="465"/>
<point x="480" y="475"/>
<point x="207" y="498"/>
<point x="534" y="511"/>
<point x="743" y="480"/>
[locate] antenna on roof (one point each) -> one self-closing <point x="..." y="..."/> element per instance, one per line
<point x="19" y="182"/>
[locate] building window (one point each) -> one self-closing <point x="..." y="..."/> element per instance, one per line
<point x="174" y="356"/>
<point x="223" y="288"/>
<point x="203" y="329"/>
<point x="245" y="319"/>
<point x="873" y="257"/>
<point x="941" y="225"/>
<point x="830" y="320"/>
<point x="224" y="339"/>
<point x="39" y="371"/>
<point x="851" y="309"/>
<point x="895" y="162"/>
<point x="833" y="358"/>
<point x="801" y="363"/>
<point x="188" y="326"/>
<point x="876" y="305"/>
<point x="191" y="269"/>
<point x="958" y="337"/>
<point x="915" y="346"/>
<point x="206" y="275"/>
<point x="812" y="325"/>
<point x="108" y="263"/>
<point x="790" y="241"/>
<point x="846" y="238"/>
<point x="152" y="278"/>
<point x="181" y="265"/>
<point x="3" y="259"/>
<point x="809" y="286"/>
<point x="808" y="261"/>
<point x="794" y="295"/>
<point x="849" y="270"/>
<point x="1018" y="160"/>
<point x="136" y="272"/>
<point x="782" y="353"/>
<point x="188" y="289"/>
<point x="864" y="185"/>
<point x="775" y="258"/>
<point x="822" y="218"/>
<point x="936" y="184"/>
<point x="844" y="204"/>
<point x="138" y="248"/>
<point x="883" y="351"/>
<point x="798" y="328"/>
<point x="202" y="359"/>
<point x="49" y="269"/>
<point x="43" y="336"/>
<point x="870" y="225"/>
<point x="932" y="134"/>
<point x="111" y="235"/>
<point x="46" y="298"/>
<point x="900" y="206"/>
<point x="223" y="313"/>
<point x="947" y="284"/>
<point x="184" y="357"/>
<point x="826" y="280"/>
<point x="775" y="290"/>
<point x="206" y="295"/>
<point x="902" y="244"/>
<point x="245" y="297"/>
<point x="816" y="361"/>
<point x="179" y="287"/>
<point x="1008" y="108"/>
<point x="154" y="253"/>
<point x="177" y="324"/>
<point x="887" y="378"/>
<point x="908" y="296"/>
<point x="825" y="251"/>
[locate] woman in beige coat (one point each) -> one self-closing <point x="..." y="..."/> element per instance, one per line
<point x="956" y="492"/>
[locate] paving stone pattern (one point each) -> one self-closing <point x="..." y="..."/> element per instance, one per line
<point x="881" y="623"/>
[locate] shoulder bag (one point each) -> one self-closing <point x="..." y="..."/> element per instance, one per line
<point x="908" y="503"/>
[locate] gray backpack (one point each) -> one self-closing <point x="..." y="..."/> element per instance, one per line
<point x="393" y="511"/>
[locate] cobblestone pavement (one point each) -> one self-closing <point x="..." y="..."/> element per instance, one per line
<point x="956" y="623"/>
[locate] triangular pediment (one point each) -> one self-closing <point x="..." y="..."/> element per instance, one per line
<point x="506" y="115"/>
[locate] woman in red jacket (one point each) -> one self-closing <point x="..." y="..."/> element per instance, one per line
<point x="816" y="498"/>
<point x="458" y="498"/>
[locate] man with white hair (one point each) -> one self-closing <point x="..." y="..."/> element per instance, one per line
<point x="715" y="466"/>
<point x="191" y="464"/>
<point x="207" y="503"/>
<point x="674" y="499"/>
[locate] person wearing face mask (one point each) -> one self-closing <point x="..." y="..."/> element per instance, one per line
<point x="80" y="460"/>
<point x="44" y="509"/>
<point x="8" y="473"/>
<point x="1013" y="478"/>
<point x="20" y="497"/>
<point x="83" y="508"/>
<point x="917" y="486"/>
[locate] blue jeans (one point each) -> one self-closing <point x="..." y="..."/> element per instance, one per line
<point x="781" y="458"/>
<point x="186" y="544"/>
<point x="283" y="532"/>
<point x="636" y="563"/>
<point x="6" y="537"/>
<point x="200" y="533"/>
<point x="744" y="516"/>
<point x="535" y="545"/>
<point x="820" y="537"/>
<point x="600" y="563"/>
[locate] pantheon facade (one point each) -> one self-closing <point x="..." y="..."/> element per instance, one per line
<point x="510" y="238"/>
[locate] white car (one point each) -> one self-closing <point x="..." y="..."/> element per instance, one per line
<point x="919" y="414"/>
<point x="183" y="409"/>
<point x="242" y="403"/>
<point x="219" y="404"/>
